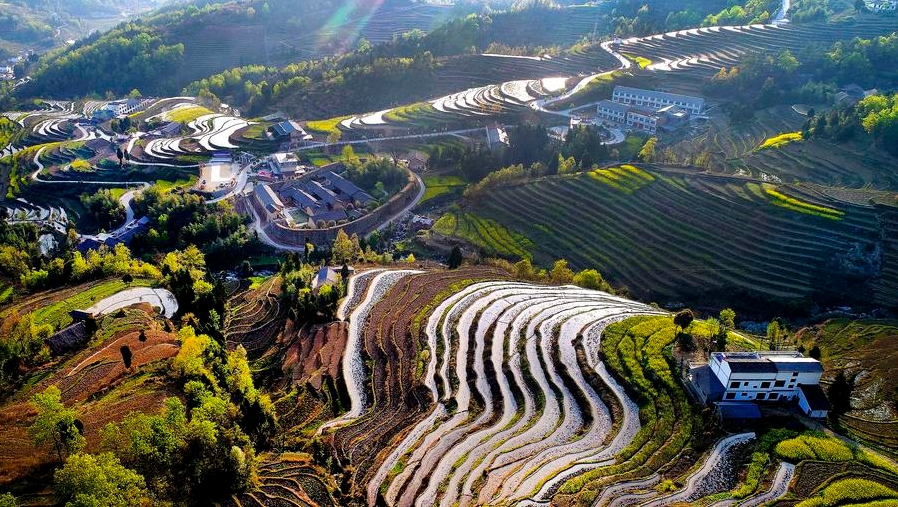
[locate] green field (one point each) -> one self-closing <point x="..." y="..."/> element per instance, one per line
<point x="328" y="126"/>
<point x="484" y="233"/>
<point x="667" y="235"/>
<point x="57" y="313"/>
<point x="168" y="186"/>
<point x="187" y="114"/>
<point x="441" y="185"/>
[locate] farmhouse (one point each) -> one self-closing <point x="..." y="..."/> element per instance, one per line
<point x="285" y="164"/>
<point x="290" y="129"/>
<point x="747" y="377"/>
<point x="656" y="100"/>
<point x="496" y="137"/>
<point x="117" y="108"/>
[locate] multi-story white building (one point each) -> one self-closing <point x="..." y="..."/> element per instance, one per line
<point x="286" y="164"/>
<point x="770" y="376"/>
<point x="651" y="99"/>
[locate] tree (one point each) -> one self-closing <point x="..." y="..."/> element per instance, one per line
<point x="7" y="500"/>
<point x="647" y="153"/>
<point x="455" y="258"/>
<point x="561" y="273"/>
<point x="55" y="424"/>
<point x="246" y="269"/>
<point x="410" y="259"/>
<point x="344" y="272"/>
<point x="591" y="279"/>
<point x="342" y="250"/>
<point x="683" y="319"/>
<point x="126" y="356"/>
<point x="839" y="394"/>
<point x="127" y="278"/>
<point x="99" y="481"/>
<point x="815" y="352"/>
<point x="121" y="156"/>
<point x="776" y="334"/>
<point x="727" y="319"/>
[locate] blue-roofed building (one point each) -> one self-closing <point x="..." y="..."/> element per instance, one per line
<point x="735" y="411"/>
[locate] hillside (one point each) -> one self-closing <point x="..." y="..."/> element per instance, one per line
<point x="866" y="351"/>
<point x="43" y="24"/>
<point x="673" y="235"/>
<point x="181" y="44"/>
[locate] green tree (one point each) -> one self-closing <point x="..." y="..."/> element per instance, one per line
<point x="343" y="250"/>
<point x="561" y="273"/>
<point x="55" y="424"/>
<point x="727" y="319"/>
<point x="126" y="356"/>
<point x="683" y="319"/>
<point x="591" y="279"/>
<point x="99" y="481"/>
<point x="776" y="334"/>
<point x="647" y="153"/>
<point x="7" y="500"/>
<point x="839" y="394"/>
<point x="815" y="352"/>
<point x="455" y="258"/>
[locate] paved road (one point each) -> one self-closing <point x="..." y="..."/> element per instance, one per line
<point x="161" y="298"/>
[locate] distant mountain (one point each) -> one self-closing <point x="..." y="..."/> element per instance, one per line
<point x="162" y="53"/>
<point x="43" y="24"/>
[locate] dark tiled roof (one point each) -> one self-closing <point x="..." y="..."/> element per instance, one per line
<point x="751" y="366"/>
<point x="814" y="394"/>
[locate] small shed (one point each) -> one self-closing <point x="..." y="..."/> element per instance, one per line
<point x="812" y="401"/>
<point x="69" y="339"/>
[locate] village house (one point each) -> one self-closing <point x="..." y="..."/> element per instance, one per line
<point x="749" y="377"/>
<point x="285" y="164"/>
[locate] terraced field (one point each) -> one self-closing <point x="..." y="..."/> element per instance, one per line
<point x="477" y="390"/>
<point x="687" y="235"/>
<point x="702" y="51"/>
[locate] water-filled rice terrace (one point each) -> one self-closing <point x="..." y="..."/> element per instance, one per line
<point x="469" y="388"/>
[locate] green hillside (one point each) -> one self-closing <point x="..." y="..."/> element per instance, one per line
<point x="697" y="237"/>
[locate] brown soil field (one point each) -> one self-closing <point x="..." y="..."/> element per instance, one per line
<point x="398" y="398"/>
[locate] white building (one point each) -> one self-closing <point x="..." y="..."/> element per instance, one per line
<point x="286" y="164"/>
<point x="651" y="99"/>
<point x="770" y="376"/>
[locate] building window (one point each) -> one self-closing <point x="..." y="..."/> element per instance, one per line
<point x="773" y="396"/>
<point x="794" y="373"/>
<point x="779" y="383"/>
<point x="730" y="396"/>
<point x="745" y="383"/>
<point x="761" y="396"/>
<point x="765" y="385"/>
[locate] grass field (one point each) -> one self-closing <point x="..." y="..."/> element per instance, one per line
<point x="56" y="311"/>
<point x="437" y="186"/>
<point x="328" y="126"/>
<point x="187" y="114"/>
<point x="168" y="186"/>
